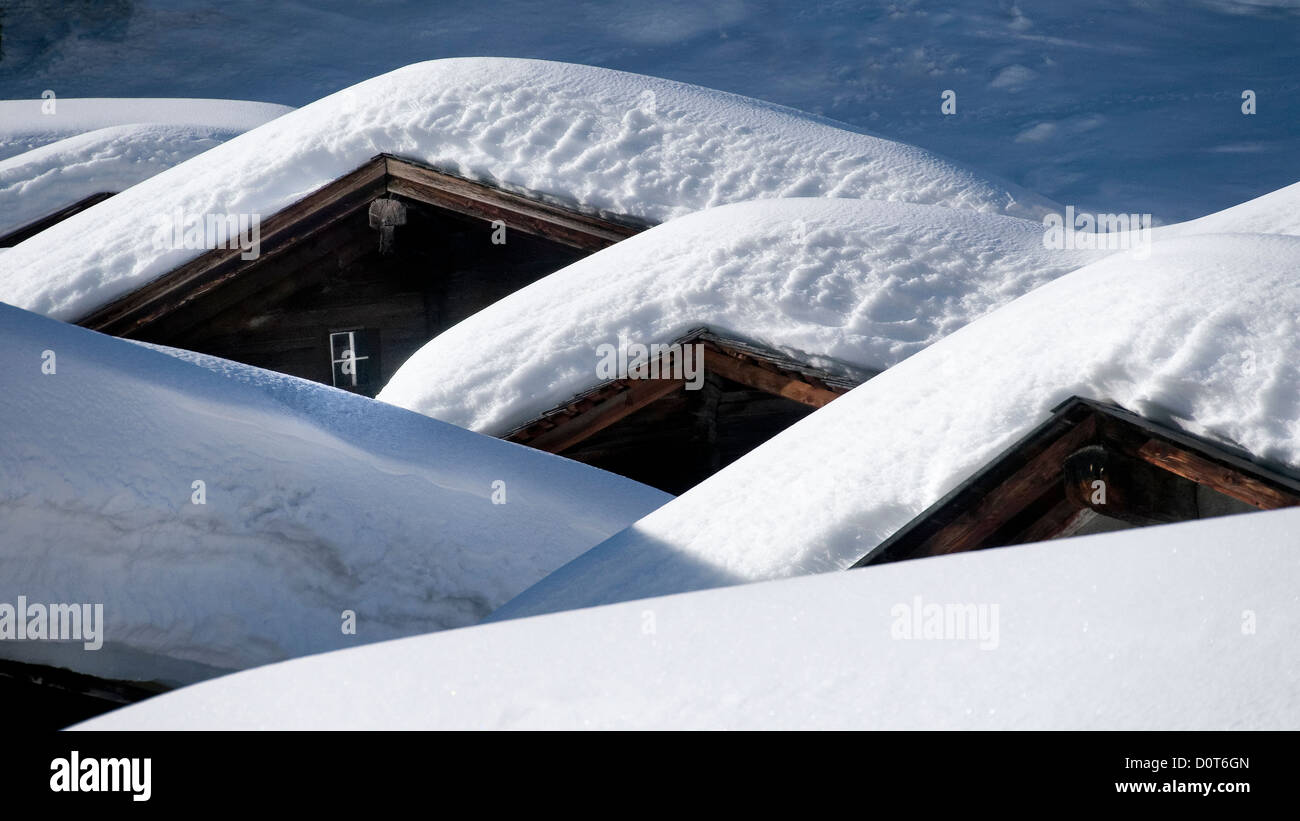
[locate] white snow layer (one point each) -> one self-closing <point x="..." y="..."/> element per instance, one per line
<point x="603" y="140"/>
<point x="316" y="502"/>
<point x="860" y="282"/>
<point x="1277" y="212"/>
<point x="86" y="146"/>
<point x="1144" y="629"/>
<point x="832" y="280"/>
<point x="46" y="179"/>
<point x="29" y="124"/>
<point x="1202" y="333"/>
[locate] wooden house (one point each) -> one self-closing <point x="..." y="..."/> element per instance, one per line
<point x="1090" y="468"/>
<point x="352" y="279"/>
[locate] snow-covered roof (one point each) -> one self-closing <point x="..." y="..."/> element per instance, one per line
<point x="88" y="146"/>
<point x="1277" y="212"/>
<point x="598" y="139"/>
<point x="316" y="501"/>
<point x="29" y="124"/>
<point x="859" y="282"/>
<point x="1201" y="335"/>
<point x="1068" y="635"/>
<point x="44" y="180"/>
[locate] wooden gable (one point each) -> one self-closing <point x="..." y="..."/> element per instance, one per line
<point x="658" y="432"/>
<point x="1090" y="467"/>
<point x="322" y="272"/>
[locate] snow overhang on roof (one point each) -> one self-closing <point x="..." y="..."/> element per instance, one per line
<point x="604" y="140"/>
<point x="56" y="153"/>
<point x="306" y="224"/>
<point x="845" y="287"/>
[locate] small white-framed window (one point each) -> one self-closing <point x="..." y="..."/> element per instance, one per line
<point x="354" y="359"/>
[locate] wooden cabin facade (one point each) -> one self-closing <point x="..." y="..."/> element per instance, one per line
<point x="354" y="278"/>
<point x="1090" y="468"/>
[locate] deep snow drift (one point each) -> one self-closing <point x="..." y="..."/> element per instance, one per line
<point x="852" y="281"/>
<point x="316" y="501"/>
<point x="1069" y="634"/>
<point x="1200" y="331"/>
<point x="602" y="140"/>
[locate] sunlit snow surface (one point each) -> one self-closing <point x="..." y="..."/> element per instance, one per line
<point x="56" y="153"/>
<point x="316" y="502"/>
<point x="1200" y="334"/>
<point x="1187" y="626"/>
<point x="829" y="280"/>
<point x="1125" y="105"/>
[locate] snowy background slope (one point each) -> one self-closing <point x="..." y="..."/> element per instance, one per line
<point x="638" y="146"/>
<point x="851" y="281"/>
<point x="1081" y="643"/>
<point x="317" y="501"/>
<point x="87" y="146"/>
<point x="1125" y="105"/>
<point x="1202" y="330"/>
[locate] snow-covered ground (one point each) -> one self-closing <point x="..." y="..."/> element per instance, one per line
<point x="1188" y="626"/>
<point x="1125" y="105"/>
<point x="831" y="280"/>
<point x="1200" y="333"/>
<point x="603" y="140"/>
<point x="84" y="146"/>
<point x="314" y="502"/>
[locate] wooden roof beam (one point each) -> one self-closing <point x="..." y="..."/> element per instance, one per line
<point x="1130" y="490"/>
<point x="575" y="429"/>
<point x="532" y="216"/>
<point x="746" y="371"/>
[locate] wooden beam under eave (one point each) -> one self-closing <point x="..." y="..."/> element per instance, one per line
<point x="575" y="429"/>
<point x="973" y="527"/>
<point x="1121" y="487"/>
<point x="1062" y="521"/>
<point x="749" y="373"/>
<point x="572" y="228"/>
<point x="1225" y="480"/>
